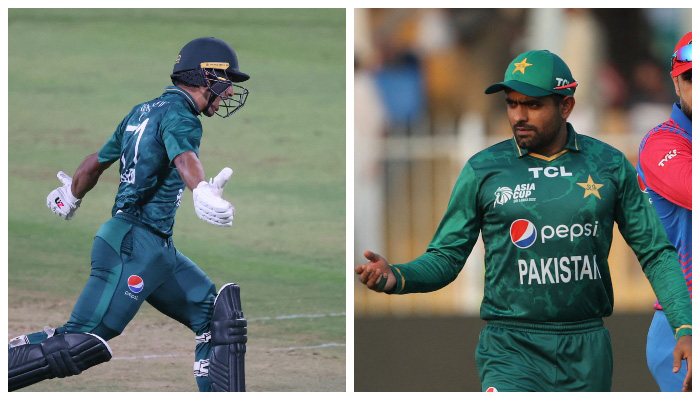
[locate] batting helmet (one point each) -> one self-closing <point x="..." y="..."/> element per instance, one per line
<point x="211" y="62"/>
<point x="209" y="52"/>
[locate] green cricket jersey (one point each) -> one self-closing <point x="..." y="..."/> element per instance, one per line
<point x="547" y="226"/>
<point x="146" y="142"/>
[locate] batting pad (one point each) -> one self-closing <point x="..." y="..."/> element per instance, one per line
<point x="228" y="339"/>
<point x="56" y="357"/>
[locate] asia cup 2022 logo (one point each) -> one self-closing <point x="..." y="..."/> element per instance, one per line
<point x="503" y="194"/>
<point x="521" y="193"/>
<point x="135" y="283"/>
<point x="523" y="233"/>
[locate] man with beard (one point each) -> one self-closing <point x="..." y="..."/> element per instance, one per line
<point x="545" y="203"/>
<point x="665" y="171"/>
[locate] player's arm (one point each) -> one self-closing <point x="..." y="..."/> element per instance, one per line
<point x="446" y="254"/>
<point x="181" y="134"/>
<point x="668" y="167"/>
<point x="87" y="175"/>
<point x="208" y="203"/>
<point x="65" y="200"/>
<point x="190" y="169"/>
<point x="642" y="229"/>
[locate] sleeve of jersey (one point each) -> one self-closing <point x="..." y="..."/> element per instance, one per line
<point x="451" y="245"/>
<point x="180" y="135"/>
<point x="642" y="229"/>
<point x="112" y="149"/>
<point x="668" y="167"/>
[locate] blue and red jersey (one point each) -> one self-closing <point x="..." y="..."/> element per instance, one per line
<point x="665" y="172"/>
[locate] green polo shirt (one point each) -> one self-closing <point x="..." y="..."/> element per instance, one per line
<point x="547" y="226"/>
<point x="146" y="142"/>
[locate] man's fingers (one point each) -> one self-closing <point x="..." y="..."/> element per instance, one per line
<point x="373" y="273"/>
<point x="688" y="382"/>
<point x="372" y="279"/>
<point x="371" y="256"/>
<point x="677" y="356"/>
<point x="64" y="178"/>
<point x="383" y="278"/>
<point x="223" y="177"/>
<point x="365" y="274"/>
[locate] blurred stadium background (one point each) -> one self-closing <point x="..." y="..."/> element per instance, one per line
<point x="420" y="113"/>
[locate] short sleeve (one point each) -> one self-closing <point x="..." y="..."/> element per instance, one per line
<point x="181" y="134"/>
<point x="111" y="150"/>
<point x="667" y="163"/>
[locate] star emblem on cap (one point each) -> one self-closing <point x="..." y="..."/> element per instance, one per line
<point x="520" y="66"/>
<point x="590" y="187"/>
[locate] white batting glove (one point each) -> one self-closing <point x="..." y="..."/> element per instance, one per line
<point x="208" y="203"/>
<point x="61" y="201"/>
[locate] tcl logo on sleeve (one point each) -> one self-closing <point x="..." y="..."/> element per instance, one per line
<point x="668" y="157"/>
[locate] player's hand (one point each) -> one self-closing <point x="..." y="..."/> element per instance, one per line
<point x="375" y="273"/>
<point x="208" y="203"/>
<point x="61" y="200"/>
<point x="684" y="351"/>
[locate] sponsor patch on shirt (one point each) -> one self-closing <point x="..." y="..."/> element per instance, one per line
<point x="519" y="194"/>
<point x="668" y="157"/>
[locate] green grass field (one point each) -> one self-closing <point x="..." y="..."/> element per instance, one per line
<point x="74" y="74"/>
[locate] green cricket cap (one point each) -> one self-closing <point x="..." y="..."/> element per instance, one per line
<point x="537" y="73"/>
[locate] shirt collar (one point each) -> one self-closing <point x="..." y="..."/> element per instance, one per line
<point x="186" y="96"/>
<point x="571" y="145"/>
<point x="681" y="119"/>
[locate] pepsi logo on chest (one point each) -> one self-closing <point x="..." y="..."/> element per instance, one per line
<point x="523" y="233"/>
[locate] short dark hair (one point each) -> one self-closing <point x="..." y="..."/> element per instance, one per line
<point x="687" y="75"/>
<point x="557" y="99"/>
<point x="191" y="78"/>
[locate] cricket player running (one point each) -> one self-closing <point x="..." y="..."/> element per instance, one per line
<point x="545" y="203"/>
<point x="133" y="255"/>
<point x="665" y="171"/>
